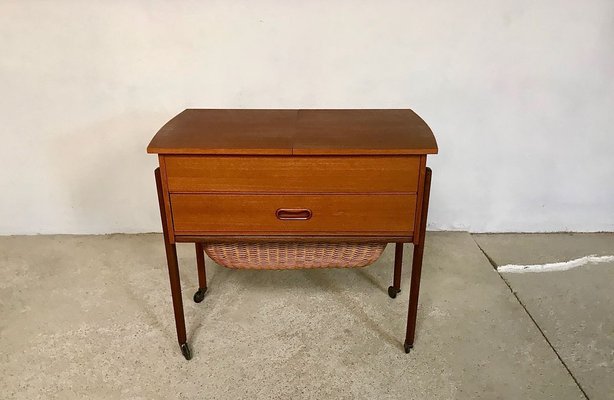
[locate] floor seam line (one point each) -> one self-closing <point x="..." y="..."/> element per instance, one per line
<point x="494" y="265"/>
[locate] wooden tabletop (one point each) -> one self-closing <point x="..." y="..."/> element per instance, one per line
<point x="304" y="132"/>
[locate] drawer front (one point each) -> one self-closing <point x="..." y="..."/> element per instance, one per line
<point x="298" y="174"/>
<point x="328" y="214"/>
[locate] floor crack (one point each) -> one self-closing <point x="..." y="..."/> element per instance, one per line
<point x="495" y="266"/>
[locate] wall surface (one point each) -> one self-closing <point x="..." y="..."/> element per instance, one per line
<point x="519" y="93"/>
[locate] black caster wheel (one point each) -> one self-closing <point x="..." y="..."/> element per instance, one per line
<point x="408" y="347"/>
<point x="392" y="292"/>
<point x="199" y="295"/>
<point x="185" y="350"/>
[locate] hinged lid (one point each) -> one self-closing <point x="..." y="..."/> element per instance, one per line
<point x="300" y="132"/>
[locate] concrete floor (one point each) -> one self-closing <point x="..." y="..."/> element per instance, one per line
<point x="91" y="317"/>
<point x="574" y="309"/>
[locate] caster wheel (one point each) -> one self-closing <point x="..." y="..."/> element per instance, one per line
<point x="392" y="292"/>
<point x="408" y="347"/>
<point x="199" y="295"/>
<point x="185" y="350"/>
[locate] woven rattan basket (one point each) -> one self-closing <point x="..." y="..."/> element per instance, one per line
<point x="294" y="255"/>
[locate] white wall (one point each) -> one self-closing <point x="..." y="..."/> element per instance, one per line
<point x="519" y="93"/>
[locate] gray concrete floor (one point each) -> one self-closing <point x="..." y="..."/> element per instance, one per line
<point x="91" y="317"/>
<point x="574" y="309"/>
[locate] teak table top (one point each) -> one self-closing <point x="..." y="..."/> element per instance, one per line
<point x="301" y="132"/>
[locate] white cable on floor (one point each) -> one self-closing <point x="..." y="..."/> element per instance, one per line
<point x="559" y="266"/>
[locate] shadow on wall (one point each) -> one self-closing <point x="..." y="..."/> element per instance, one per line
<point x="105" y="175"/>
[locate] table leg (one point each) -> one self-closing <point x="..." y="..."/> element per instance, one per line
<point x="398" y="267"/>
<point x="173" y="274"/>
<point x="416" y="269"/>
<point x="202" y="274"/>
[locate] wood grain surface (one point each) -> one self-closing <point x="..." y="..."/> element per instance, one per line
<point x="330" y="174"/>
<point x="375" y="214"/>
<point x="310" y="132"/>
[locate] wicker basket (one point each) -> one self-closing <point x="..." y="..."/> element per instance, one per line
<point x="294" y="255"/>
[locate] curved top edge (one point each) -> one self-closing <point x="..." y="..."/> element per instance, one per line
<point x="291" y="131"/>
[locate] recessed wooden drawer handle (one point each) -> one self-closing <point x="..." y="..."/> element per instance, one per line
<point x="293" y="214"/>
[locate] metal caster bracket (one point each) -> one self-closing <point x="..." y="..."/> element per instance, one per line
<point x="199" y="295"/>
<point x="392" y="292"/>
<point x="408" y="347"/>
<point x="185" y="350"/>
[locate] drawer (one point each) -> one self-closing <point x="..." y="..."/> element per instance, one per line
<point x="328" y="214"/>
<point x="298" y="174"/>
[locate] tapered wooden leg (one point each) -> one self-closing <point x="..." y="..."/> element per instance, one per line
<point x="398" y="267"/>
<point x="202" y="274"/>
<point x="173" y="274"/>
<point x="416" y="268"/>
